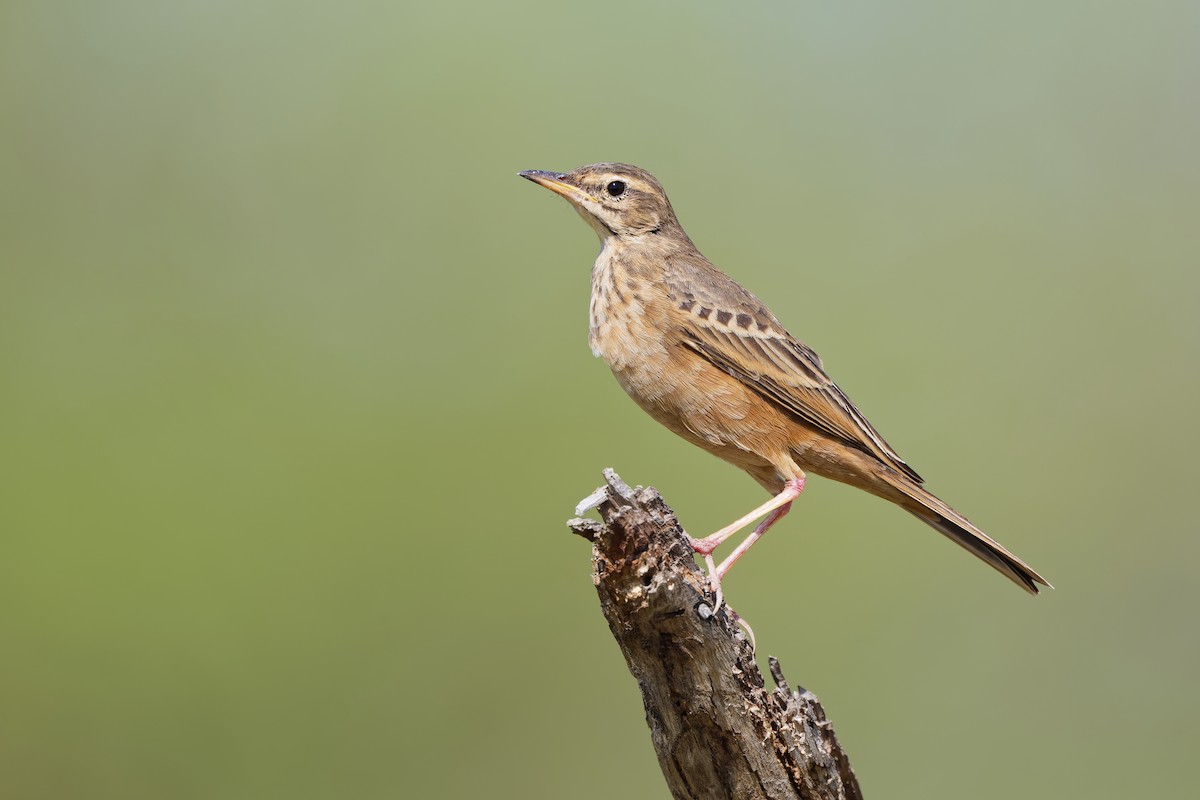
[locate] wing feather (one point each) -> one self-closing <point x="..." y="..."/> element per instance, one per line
<point x="765" y="357"/>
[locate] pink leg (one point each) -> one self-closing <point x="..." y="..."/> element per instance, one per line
<point x="754" y="536"/>
<point x="791" y="490"/>
<point x="775" y="509"/>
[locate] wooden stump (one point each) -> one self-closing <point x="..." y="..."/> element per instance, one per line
<point x="717" y="730"/>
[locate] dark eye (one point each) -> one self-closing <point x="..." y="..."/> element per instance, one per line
<point x="616" y="188"/>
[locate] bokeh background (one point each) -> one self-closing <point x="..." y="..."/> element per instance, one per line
<point x="296" y="395"/>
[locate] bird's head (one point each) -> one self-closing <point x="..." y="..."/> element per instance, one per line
<point x="615" y="199"/>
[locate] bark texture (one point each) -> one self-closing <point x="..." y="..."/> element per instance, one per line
<point x="717" y="730"/>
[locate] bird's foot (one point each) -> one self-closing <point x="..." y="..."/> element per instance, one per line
<point x="705" y="547"/>
<point x="714" y="580"/>
<point x="745" y="626"/>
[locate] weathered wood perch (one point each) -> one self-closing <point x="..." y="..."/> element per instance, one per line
<point x="716" y="729"/>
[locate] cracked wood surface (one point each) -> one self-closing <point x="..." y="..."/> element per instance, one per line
<point x="717" y="730"/>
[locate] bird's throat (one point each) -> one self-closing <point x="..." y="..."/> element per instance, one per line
<point x="602" y="230"/>
<point x="603" y="289"/>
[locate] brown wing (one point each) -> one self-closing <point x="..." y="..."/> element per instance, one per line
<point x="728" y="327"/>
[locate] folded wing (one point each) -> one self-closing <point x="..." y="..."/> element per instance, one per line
<point x="738" y="335"/>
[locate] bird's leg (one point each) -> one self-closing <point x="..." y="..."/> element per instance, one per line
<point x="754" y="536"/>
<point x="791" y="490"/>
<point x="717" y="573"/>
<point x="774" y="508"/>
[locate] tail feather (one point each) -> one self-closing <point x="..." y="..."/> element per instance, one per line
<point x="944" y="519"/>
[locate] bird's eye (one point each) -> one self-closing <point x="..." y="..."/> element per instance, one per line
<point x="616" y="188"/>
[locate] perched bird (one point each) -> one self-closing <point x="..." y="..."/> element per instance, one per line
<point x="708" y="360"/>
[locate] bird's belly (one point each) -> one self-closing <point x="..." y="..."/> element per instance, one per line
<point x="699" y="403"/>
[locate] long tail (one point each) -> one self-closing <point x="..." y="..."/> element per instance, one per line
<point x="935" y="513"/>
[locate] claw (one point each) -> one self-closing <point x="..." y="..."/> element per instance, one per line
<point x="746" y="627"/>
<point x="714" y="581"/>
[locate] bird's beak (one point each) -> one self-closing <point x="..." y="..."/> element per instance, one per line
<point x="557" y="183"/>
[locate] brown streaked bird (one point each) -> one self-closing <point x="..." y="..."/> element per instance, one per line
<point x="709" y="361"/>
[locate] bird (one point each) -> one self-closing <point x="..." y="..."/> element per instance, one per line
<point x="709" y="361"/>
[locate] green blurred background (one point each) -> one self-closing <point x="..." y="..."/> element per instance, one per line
<point x="296" y="395"/>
